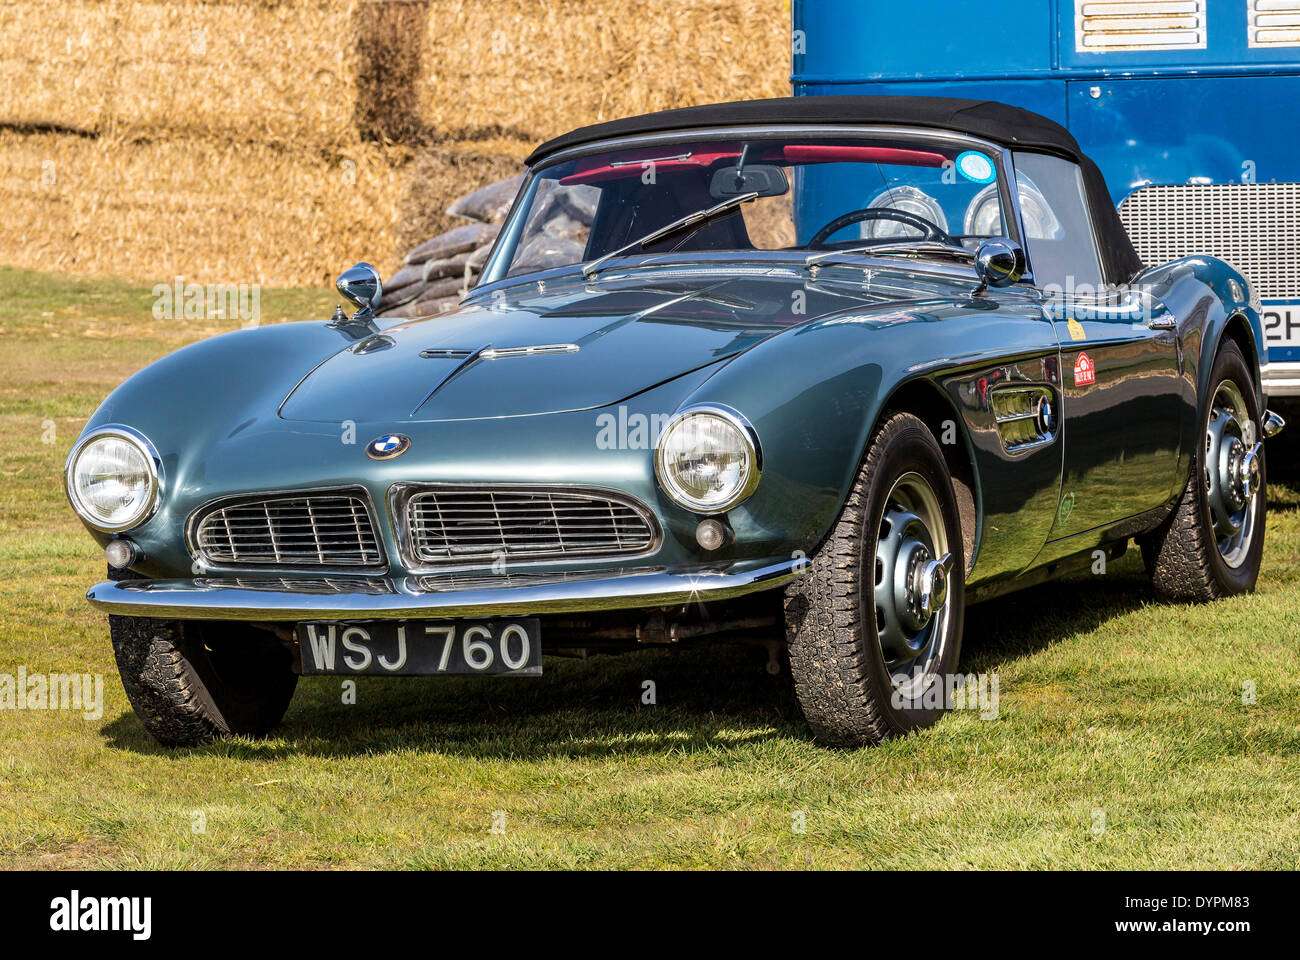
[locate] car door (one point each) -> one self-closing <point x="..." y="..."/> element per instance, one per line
<point x="1122" y="400"/>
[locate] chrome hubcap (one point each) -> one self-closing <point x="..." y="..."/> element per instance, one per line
<point x="1232" y="466"/>
<point x="912" y="569"/>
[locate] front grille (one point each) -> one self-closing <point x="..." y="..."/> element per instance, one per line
<point x="472" y="524"/>
<point x="315" y="530"/>
<point x="1250" y="225"/>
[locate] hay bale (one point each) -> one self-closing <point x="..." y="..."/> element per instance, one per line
<point x="265" y="70"/>
<point x="229" y="147"/>
<point x="535" y="68"/>
<point x="209" y="211"/>
<point x="319" y="71"/>
<point x="390" y="64"/>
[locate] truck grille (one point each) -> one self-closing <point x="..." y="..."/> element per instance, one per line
<point x="333" y="529"/>
<point x="449" y="524"/>
<point x="1250" y="225"/>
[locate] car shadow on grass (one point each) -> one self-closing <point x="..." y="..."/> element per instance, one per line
<point x="648" y="702"/>
<point x="696" y="698"/>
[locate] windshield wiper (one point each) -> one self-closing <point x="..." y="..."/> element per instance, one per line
<point x="913" y="248"/>
<point x="699" y="217"/>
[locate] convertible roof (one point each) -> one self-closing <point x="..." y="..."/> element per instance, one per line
<point x="989" y="120"/>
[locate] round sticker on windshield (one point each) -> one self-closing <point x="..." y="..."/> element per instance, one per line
<point x="975" y="166"/>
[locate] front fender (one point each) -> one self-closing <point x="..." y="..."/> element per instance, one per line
<point x="1207" y="296"/>
<point x="210" y="391"/>
<point x="815" y="393"/>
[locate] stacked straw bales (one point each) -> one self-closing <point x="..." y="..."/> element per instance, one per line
<point x="276" y="141"/>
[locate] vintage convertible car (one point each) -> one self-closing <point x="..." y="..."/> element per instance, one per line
<point x="812" y="372"/>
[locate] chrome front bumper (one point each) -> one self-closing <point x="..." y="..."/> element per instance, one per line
<point x="224" y="598"/>
<point x="1281" y="379"/>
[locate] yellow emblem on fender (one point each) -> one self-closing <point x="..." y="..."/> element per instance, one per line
<point x="1076" y="330"/>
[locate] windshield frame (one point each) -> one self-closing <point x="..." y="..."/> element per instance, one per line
<point x="493" y="275"/>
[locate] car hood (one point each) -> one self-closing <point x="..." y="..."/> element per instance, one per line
<point x="573" y="345"/>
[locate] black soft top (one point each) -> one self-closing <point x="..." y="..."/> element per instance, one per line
<point x="998" y="123"/>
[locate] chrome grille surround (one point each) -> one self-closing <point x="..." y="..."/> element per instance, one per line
<point x="331" y="528"/>
<point x="1250" y="225"/>
<point x="443" y="526"/>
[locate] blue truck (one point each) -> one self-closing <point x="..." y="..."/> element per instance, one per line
<point x="1190" y="108"/>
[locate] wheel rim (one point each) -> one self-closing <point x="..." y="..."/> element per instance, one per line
<point x="911" y="597"/>
<point x="1232" y="470"/>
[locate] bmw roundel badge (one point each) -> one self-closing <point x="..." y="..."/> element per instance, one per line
<point x="388" y="446"/>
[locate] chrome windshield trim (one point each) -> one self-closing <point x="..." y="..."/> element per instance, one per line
<point x="514" y="222"/>
<point x="201" y="600"/>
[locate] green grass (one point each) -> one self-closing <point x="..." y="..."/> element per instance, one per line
<point x="1109" y="701"/>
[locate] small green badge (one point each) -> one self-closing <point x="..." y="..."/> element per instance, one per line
<point x="1067" y="504"/>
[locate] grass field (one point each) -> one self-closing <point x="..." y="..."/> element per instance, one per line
<point x="1121" y="740"/>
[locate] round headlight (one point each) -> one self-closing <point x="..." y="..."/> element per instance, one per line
<point x="112" y="479"/>
<point x="708" y="459"/>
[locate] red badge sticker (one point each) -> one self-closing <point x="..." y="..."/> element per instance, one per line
<point x="1085" y="371"/>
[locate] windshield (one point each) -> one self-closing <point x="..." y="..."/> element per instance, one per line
<point x="804" y="195"/>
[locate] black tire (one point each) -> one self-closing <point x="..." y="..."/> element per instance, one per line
<point x="1183" y="556"/>
<point x="842" y="677"/>
<point x="193" y="682"/>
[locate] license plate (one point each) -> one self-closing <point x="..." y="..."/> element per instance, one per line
<point x="421" y="648"/>
<point x="1281" y="324"/>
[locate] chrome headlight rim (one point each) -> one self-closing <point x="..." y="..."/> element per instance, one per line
<point x="753" y="453"/>
<point x="152" y="459"/>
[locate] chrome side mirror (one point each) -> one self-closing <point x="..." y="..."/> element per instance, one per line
<point x="361" y="285"/>
<point x="999" y="262"/>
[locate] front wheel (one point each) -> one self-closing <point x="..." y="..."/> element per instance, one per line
<point x="190" y="682"/>
<point x="1213" y="544"/>
<point x="874" y="628"/>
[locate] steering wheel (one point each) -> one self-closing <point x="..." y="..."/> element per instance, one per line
<point x="932" y="231"/>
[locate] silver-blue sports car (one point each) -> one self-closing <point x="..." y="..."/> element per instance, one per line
<point x="818" y="371"/>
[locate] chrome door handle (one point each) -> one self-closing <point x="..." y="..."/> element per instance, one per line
<point x="1162" y="323"/>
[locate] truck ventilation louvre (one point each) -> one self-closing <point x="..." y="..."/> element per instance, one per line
<point x="1273" y="23"/>
<point x="1103" y="27"/>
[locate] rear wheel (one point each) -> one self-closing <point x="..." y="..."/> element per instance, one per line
<point x="874" y="628"/>
<point x="1212" y="546"/>
<point x="190" y="682"/>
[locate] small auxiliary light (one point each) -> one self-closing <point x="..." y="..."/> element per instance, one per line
<point x="712" y="534"/>
<point x="121" y="554"/>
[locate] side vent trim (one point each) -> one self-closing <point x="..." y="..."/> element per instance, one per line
<point x="1027" y="417"/>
